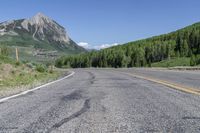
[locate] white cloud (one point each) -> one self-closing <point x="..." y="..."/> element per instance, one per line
<point x="107" y="45"/>
<point x="84" y="44"/>
<point x="101" y="46"/>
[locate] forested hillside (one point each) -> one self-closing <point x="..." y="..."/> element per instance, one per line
<point x="181" y="43"/>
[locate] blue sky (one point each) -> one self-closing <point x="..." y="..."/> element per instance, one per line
<point x="101" y="23"/>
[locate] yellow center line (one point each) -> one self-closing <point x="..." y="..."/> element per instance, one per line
<point x="167" y="83"/>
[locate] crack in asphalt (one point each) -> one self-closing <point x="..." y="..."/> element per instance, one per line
<point x="47" y="126"/>
<point x="92" y="79"/>
<point x="43" y="123"/>
<point x="191" y="118"/>
<point x="85" y="107"/>
<point x="92" y="75"/>
<point x="76" y="95"/>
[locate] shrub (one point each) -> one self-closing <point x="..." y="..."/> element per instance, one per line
<point x="51" y="71"/>
<point x="59" y="62"/>
<point x="30" y="65"/>
<point x="192" y="60"/>
<point x="17" y="63"/>
<point x="4" y="51"/>
<point x="198" y="59"/>
<point x="22" y="74"/>
<point x="35" y="75"/>
<point x="25" y="62"/>
<point x="13" y="71"/>
<point x="41" y="68"/>
<point x="49" y="64"/>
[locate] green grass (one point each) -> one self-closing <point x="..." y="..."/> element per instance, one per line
<point x="14" y="76"/>
<point x="184" y="61"/>
<point x="26" y="78"/>
<point x="4" y="59"/>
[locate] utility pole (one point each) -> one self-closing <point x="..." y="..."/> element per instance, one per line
<point x="17" y="55"/>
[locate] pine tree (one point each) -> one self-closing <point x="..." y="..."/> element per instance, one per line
<point x="185" y="48"/>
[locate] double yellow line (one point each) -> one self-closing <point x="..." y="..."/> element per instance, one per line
<point x="168" y="84"/>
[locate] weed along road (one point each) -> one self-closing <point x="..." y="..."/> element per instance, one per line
<point x="106" y="100"/>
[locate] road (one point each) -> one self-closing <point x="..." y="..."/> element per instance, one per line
<point x="102" y="101"/>
<point x="186" y="78"/>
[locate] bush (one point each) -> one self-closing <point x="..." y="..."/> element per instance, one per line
<point x="22" y="74"/>
<point x="4" y="51"/>
<point x="49" y="64"/>
<point x="59" y="62"/>
<point x="30" y="65"/>
<point x="17" y="63"/>
<point x="198" y="59"/>
<point x="194" y="60"/>
<point x="25" y="62"/>
<point x="13" y="72"/>
<point x="51" y="71"/>
<point x="41" y="68"/>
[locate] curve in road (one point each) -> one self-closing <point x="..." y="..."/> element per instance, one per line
<point x="97" y="100"/>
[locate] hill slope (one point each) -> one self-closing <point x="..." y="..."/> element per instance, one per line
<point x="181" y="43"/>
<point x="39" y="33"/>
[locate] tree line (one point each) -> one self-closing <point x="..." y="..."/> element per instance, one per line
<point x="181" y="43"/>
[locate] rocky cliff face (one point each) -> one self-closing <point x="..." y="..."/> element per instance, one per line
<point x="39" y="29"/>
<point x="43" y="27"/>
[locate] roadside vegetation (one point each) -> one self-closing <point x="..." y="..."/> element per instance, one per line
<point x="183" y="61"/>
<point x="171" y="49"/>
<point x="18" y="76"/>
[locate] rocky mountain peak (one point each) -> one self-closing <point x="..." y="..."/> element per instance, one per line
<point x="40" y="18"/>
<point x="39" y="31"/>
<point x="44" y="27"/>
<point x="40" y="15"/>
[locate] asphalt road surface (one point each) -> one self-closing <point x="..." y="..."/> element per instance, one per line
<point x="187" y="78"/>
<point x="103" y="101"/>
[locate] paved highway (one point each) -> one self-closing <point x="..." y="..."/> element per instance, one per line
<point x="187" y="78"/>
<point x="102" y="101"/>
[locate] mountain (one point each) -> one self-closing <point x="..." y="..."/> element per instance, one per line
<point x="183" y="43"/>
<point x="39" y="32"/>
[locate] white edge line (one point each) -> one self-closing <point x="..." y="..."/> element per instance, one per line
<point x="34" y="89"/>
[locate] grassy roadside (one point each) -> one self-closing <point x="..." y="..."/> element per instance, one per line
<point x="17" y="77"/>
<point x="184" y="61"/>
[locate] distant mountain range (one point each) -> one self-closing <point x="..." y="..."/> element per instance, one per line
<point x="38" y="32"/>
